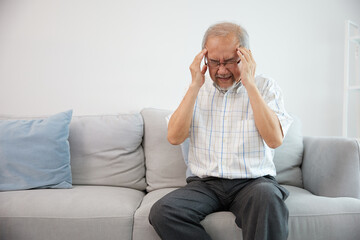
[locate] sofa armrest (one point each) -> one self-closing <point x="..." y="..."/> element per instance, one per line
<point x="331" y="166"/>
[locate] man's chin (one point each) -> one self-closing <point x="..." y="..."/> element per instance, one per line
<point x="225" y="86"/>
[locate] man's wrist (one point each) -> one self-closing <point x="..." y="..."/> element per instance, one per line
<point x="195" y="86"/>
<point x="251" y="87"/>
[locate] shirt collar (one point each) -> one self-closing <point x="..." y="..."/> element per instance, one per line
<point x="236" y="87"/>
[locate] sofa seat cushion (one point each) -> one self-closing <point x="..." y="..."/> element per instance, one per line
<point x="322" y="218"/>
<point x="311" y="217"/>
<point x="219" y="225"/>
<point x="142" y="227"/>
<point x="84" y="212"/>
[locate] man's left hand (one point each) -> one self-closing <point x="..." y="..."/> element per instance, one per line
<point x="247" y="67"/>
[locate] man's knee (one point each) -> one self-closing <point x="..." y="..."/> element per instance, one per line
<point x="156" y="215"/>
<point x="266" y="193"/>
<point x="163" y="212"/>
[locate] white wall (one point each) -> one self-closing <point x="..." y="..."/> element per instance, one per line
<point x="107" y="56"/>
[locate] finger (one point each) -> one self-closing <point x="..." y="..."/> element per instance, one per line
<point x="204" y="68"/>
<point x="201" y="54"/>
<point x="251" y="56"/>
<point x="241" y="55"/>
<point x="245" y="52"/>
<point x="197" y="60"/>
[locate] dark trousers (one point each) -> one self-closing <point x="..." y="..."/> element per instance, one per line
<point x="258" y="205"/>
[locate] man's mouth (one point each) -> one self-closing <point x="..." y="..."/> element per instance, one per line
<point x="224" y="78"/>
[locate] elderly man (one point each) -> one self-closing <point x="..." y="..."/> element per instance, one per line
<point x="234" y="121"/>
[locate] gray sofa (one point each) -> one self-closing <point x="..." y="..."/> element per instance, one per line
<point x="122" y="164"/>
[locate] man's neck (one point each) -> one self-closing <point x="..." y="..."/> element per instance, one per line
<point x="224" y="90"/>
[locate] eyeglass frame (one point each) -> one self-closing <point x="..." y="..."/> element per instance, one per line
<point x="218" y="63"/>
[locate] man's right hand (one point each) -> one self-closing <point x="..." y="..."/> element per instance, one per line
<point x="197" y="74"/>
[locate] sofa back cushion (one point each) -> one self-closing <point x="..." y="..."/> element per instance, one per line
<point x="165" y="166"/>
<point x="107" y="150"/>
<point x="288" y="157"/>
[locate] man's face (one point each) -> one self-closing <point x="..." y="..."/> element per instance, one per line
<point x="223" y="50"/>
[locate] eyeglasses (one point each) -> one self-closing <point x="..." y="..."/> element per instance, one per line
<point x="216" y="64"/>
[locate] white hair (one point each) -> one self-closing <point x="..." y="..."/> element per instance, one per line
<point x="226" y="28"/>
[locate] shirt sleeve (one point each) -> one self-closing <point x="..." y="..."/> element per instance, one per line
<point x="273" y="96"/>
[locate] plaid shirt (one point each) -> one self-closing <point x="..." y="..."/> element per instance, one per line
<point x="224" y="141"/>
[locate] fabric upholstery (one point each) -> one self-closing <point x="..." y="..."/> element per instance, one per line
<point x="310" y="217"/>
<point x="81" y="213"/>
<point x="113" y="212"/>
<point x="331" y="166"/>
<point x="142" y="227"/>
<point x="165" y="166"/>
<point x="106" y="150"/>
<point x="322" y="218"/>
<point x="288" y="157"/>
<point x="34" y="153"/>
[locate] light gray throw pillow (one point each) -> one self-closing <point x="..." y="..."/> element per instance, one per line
<point x="288" y="157"/>
<point x="165" y="165"/>
<point x="106" y="150"/>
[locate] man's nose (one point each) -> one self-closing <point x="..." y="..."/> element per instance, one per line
<point x="222" y="69"/>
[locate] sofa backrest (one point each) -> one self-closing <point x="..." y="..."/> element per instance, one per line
<point x="165" y="166"/>
<point x="107" y="150"/>
<point x="164" y="163"/>
<point x="288" y="157"/>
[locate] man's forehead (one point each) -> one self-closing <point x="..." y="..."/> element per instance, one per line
<point x="220" y="46"/>
<point x="229" y="39"/>
<point x="222" y="53"/>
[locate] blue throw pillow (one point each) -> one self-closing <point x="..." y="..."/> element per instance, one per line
<point x="35" y="153"/>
